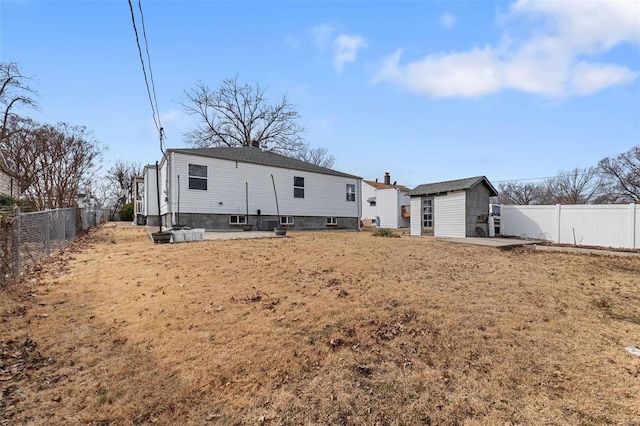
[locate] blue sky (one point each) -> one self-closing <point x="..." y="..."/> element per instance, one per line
<point x="425" y="90"/>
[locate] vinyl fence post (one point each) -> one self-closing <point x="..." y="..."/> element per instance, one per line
<point x="632" y="226"/>
<point x="558" y="223"/>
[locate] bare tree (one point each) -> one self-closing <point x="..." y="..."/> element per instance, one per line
<point x="577" y="186"/>
<point x="517" y="193"/>
<point x="238" y="115"/>
<point x="622" y="174"/>
<point x="14" y="92"/>
<point x="120" y="178"/>
<point x="50" y="162"/>
<point x="318" y="156"/>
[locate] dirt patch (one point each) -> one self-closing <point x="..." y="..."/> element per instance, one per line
<point x="320" y="328"/>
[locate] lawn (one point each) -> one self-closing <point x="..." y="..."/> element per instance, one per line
<point x="320" y="328"/>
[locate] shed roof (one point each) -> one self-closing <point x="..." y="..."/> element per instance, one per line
<point x="249" y="154"/>
<point x="452" y="185"/>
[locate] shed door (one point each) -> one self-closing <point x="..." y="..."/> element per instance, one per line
<point x="451" y="215"/>
<point x="427" y="216"/>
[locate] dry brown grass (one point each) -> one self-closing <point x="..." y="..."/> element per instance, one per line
<point x="321" y="328"/>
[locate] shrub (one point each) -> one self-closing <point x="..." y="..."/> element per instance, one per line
<point x="384" y="232"/>
<point x="126" y="212"/>
<point x="7" y="200"/>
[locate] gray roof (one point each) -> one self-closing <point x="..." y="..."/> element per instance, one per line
<point x="258" y="156"/>
<point x="452" y="185"/>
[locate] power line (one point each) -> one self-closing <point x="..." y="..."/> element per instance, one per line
<point x="146" y="46"/>
<point x="144" y="71"/>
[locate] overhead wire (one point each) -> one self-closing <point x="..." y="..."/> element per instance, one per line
<point x="153" y="85"/>
<point x="144" y="72"/>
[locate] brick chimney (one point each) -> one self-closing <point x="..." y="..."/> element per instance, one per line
<point x="387" y="178"/>
<point x="255" y="143"/>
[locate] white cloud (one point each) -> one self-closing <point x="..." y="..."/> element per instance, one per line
<point x="346" y="49"/>
<point x="553" y="60"/>
<point x="322" y="35"/>
<point x="447" y="20"/>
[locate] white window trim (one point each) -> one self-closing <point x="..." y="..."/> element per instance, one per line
<point x="286" y="220"/>
<point x="332" y="221"/>
<point x="298" y="187"/>
<point x="352" y="193"/>
<point x="204" y="178"/>
<point x="240" y="219"/>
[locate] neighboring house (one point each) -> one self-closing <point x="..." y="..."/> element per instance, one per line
<point x="5" y="184"/>
<point x="455" y="208"/>
<point x="385" y="204"/>
<point x="226" y="188"/>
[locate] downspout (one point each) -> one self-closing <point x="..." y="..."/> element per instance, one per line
<point x="178" y="215"/>
<point x="158" y="192"/>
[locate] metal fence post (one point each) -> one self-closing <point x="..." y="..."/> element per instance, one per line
<point x="18" y="243"/>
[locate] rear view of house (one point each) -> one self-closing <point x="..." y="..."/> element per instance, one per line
<point x="455" y="208"/>
<point x="385" y="204"/>
<point x="228" y="188"/>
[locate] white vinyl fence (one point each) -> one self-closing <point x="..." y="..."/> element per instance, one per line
<point x="607" y="225"/>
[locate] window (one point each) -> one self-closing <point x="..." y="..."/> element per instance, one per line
<point x="332" y="221"/>
<point x="427" y="213"/>
<point x="351" y="192"/>
<point x="237" y="220"/>
<point x="298" y="187"/>
<point x="286" y="220"/>
<point x="197" y="177"/>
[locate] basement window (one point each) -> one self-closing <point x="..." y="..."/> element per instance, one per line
<point x="286" y="220"/>
<point x="332" y="221"/>
<point x="237" y="220"/>
<point x="197" y="177"/>
<point x="298" y="187"/>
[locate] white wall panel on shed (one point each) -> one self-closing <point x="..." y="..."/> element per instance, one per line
<point x="600" y="225"/>
<point x="449" y="215"/>
<point x="538" y="222"/>
<point x="416" y="216"/>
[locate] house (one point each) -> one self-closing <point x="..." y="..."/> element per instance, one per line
<point x="226" y="188"/>
<point x="5" y="184"/>
<point x="455" y="208"/>
<point x="385" y="204"/>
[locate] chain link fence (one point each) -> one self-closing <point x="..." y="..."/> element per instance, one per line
<point x="28" y="239"/>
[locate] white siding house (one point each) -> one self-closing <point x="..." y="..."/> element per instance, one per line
<point x="385" y="204"/>
<point x="456" y="208"/>
<point x="226" y="188"/>
<point x="5" y="184"/>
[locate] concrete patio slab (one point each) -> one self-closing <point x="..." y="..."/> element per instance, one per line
<point x="491" y="242"/>
<point x="238" y="235"/>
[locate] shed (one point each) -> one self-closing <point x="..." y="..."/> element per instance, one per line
<point x="454" y="208"/>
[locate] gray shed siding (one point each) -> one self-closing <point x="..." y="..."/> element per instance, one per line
<point x="477" y="203"/>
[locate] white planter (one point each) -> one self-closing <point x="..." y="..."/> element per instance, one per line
<point x="198" y="234"/>
<point x="177" y="236"/>
<point x="188" y="234"/>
